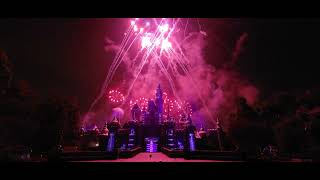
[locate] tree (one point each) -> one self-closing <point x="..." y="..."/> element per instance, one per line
<point x="6" y="72"/>
<point x="315" y="138"/>
<point x="246" y="131"/>
<point x="56" y="118"/>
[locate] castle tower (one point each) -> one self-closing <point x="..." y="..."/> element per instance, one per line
<point x="152" y="106"/>
<point x="152" y="114"/>
<point x="159" y="103"/>
<point x="136" y="112"/>
<point x="143" y="115"/>
<point x="190" y="130"/>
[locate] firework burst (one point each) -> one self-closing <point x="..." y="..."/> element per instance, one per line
<point x="115" y="96"/>
<point x="158" y="47"/>
<point x="142" y="102"/>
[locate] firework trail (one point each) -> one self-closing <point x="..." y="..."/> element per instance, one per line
<point x="155" y="46"/>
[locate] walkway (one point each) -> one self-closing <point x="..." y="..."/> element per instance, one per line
<point x="154" y="157"/>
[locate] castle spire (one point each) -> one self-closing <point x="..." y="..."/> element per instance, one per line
<point x="159" y="103"/>
<point x="135" y="112"/>
<point x="159" y="92"/>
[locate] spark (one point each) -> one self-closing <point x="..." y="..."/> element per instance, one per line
<point x="146" y="42"/>
<point x="165" y="44"/>
<point x="164" y="28"/>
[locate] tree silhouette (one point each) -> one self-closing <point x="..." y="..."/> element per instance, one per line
<point x="6" y="72"/>
<point x="247" y="131"/>
<point x="57" y="119"/>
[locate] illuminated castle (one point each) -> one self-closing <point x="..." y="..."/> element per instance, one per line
<point x="153" y="115"/>
<point x="149" y="129"/>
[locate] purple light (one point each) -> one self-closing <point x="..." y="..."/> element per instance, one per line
<point x="191" y="142"/>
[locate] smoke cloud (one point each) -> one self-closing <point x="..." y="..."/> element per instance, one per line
<point x="212" y="92"/>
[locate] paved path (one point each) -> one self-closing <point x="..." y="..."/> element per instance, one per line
<point x="154" y="157"/>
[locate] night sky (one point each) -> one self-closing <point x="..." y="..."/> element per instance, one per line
<point x="67" y="56"/>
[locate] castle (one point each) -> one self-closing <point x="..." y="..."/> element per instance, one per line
<point x="149" y="128"/>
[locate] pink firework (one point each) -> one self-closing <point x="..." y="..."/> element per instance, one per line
<point x="155" y="36"/>
<point x="115" y="96"/>
<point x="183" y="108"/>
<point x="168" y="105"/>
<point x="158" y="44"/>
<point x="142" y="102"/>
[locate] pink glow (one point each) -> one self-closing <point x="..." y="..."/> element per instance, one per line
<point x="164" y="28"/>
<point x="165" y="44"/>
<point x="146" y="42"/>
<point x="219" y="87"/>
<point x="135" y="28"/>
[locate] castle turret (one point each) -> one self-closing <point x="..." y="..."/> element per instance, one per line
<point x="190" y="134"/>
<point x="113" y="127"/>
<point x="136" y="112"/>
<point x="159" y="103"/>
<point x="152" y="106"/>
<point x="144" y="116"/>
<point x="152" y="114"/>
